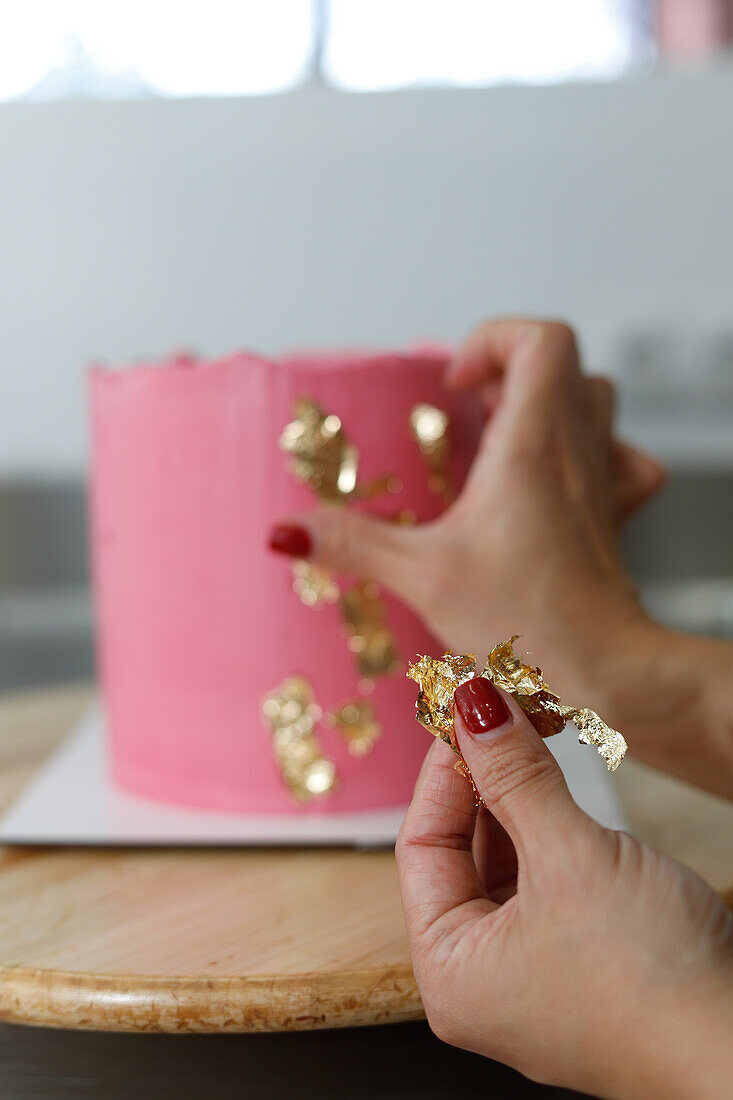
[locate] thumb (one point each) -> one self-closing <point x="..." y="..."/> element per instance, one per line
<point x="512" y="768"/>
<point x="360" y="546"/>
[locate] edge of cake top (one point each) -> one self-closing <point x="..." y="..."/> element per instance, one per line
<point x="292" y="362"/>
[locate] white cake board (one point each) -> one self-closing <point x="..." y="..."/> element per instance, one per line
<point x="71" y="800"/>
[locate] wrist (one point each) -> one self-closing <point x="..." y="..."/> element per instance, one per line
<point x="679" y="1044"/>
<point x="660" y="688"/>
<point x="608" y="648"/>
<point x="627" y="665"/>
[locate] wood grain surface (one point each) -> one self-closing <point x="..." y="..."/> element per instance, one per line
<point x="236" y="940"/>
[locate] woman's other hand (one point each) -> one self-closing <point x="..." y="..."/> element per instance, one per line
<point x="530" y="545"/>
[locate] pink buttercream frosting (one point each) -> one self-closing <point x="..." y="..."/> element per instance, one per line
<point x="196" y="619"/>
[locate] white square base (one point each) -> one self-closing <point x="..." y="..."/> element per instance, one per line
<point x="71" y="800"/>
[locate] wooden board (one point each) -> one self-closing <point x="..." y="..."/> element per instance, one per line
<point x="185" y="941"/>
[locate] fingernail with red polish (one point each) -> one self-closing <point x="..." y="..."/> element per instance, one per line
<point x="290" y="539"/>
<point x="480" y="706"/>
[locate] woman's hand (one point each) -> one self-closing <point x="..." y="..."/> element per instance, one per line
<point x="538" y="938"/>
<point x="530" y="548"/>
<point x="530" y="545"/>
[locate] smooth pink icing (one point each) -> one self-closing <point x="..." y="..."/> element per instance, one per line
<point x="197" y="620"/>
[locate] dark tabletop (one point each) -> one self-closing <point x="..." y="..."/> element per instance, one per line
<point x="379" y="1063"/>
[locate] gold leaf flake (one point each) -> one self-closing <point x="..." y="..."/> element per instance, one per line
<point x="592" y="730"/>
<point x="544" y="709"/>
<point x="527" y="685"/>
<point x="325" y="459"/>
<point x="356" y="720"/>
<point x="429" y="427"/>
<point x="405" y="518"/>
<point x="322" y="455"/>
<point x="292" y="714"/>
<point x="387" y="483"/>
<point x="315" y="586"/>
<point x="370" y="637"/>
<point x="437" y="679"/>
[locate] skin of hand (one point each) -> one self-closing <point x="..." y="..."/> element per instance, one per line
<point x="530" y="548"/>
<point x="540" y="939"/>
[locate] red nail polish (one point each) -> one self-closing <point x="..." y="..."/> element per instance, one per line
<point x="480" y="706"/>
<point x="290" y="539"/>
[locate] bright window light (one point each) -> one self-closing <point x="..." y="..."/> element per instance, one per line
<point x="117" y="49"/>
<point x="64" y="48"/>
<point x="378" y="44"/>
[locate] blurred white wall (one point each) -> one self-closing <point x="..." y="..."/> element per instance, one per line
<point x="316" y="218"/>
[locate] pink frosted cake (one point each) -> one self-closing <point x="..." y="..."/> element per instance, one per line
<point x="233" y="681"/>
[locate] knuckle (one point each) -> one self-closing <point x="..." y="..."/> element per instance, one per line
<point x="528" y="777"/>
<point x="627" y="855"/>
<point x="587" y="856"/>
<point x="559" y="343"/>
<point x="561" y="335"/>
<point x="552" y="351"/>
<point x="539" y="449"/>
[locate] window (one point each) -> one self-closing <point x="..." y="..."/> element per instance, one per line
<point x="62" y="49"/>
<point x="374" y="44"/>
<point x="67" y="49"/>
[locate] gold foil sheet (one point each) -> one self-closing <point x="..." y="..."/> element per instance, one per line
<point x="357" y="722"/>
<point x="528" y="687"/>
<point x="292" y="713"/>
<point x="324" y="458"/>
<point x="438" y="679"/>
<point x="313" y="585"/>
<point x="592" y="730"/>
<point x="388" y="483"/>
<point x="370" y="638"/>
<point x="545" y="710"/>
<point x="429" y="427"/>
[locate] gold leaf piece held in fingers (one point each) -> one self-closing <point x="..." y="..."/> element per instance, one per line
<point x="544" y="709"/>
<point x="526" y="683"/>
<point x="592" y="730"/>
<point x="438" y="679"/>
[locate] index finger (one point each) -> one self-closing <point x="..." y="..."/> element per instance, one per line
<point x="530" y="358"/>
<point x="438" y="875"/>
